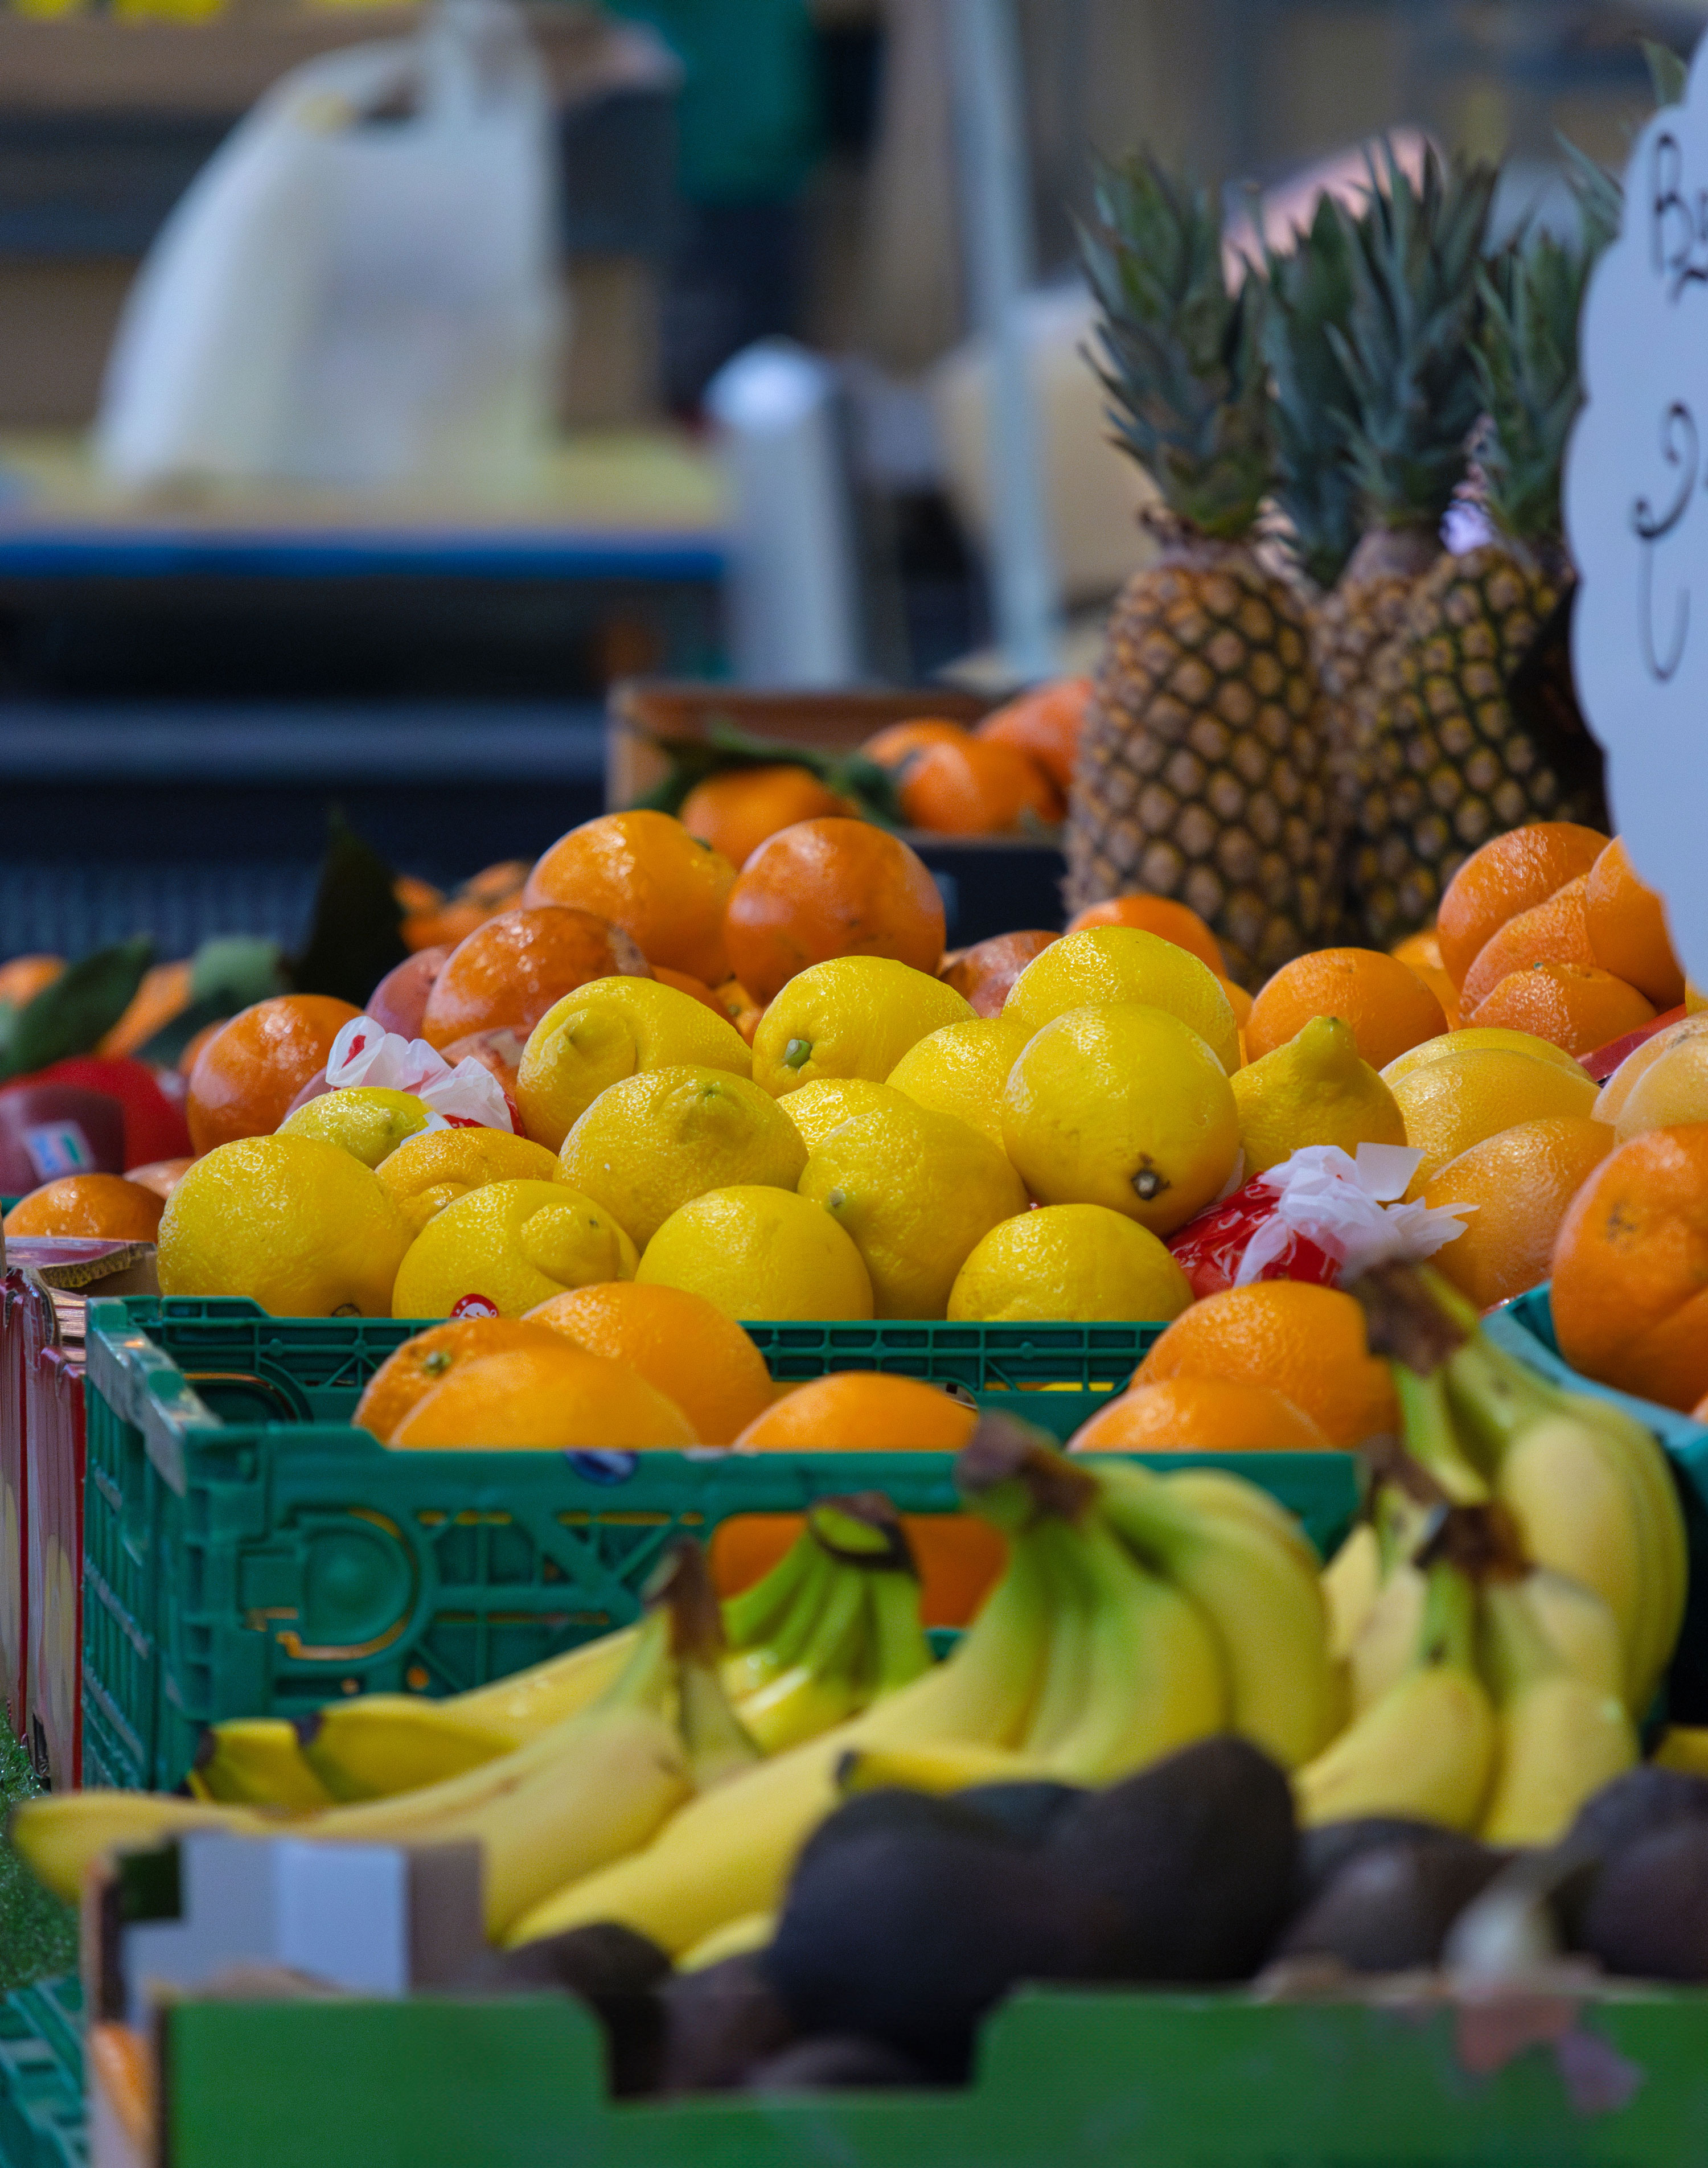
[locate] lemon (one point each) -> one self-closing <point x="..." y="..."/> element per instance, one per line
<point x="609" y="1029"/>
<point x="364" y="1119"/>
<point x="1068" y="1262"/>
<point x="855" y="1015"/>
<point x="428" y="1172"/>
<point x="916" y="1190"/>
<point x="516" y="1243"/>
<point x="1123" y="964"/>
<point x="1660" y="1046"/>
<point x="1453" y="1103"/>
<point x="759" y="1252"/>
<point x="1667" y="1092"/>
<point x="1313" y="1089"/>
<point x="1120" y="1104"/>
<point x="1477" y="1039"/>
<point x="960" y="1069"/>
<point x="817" y="1109"/>
<point x="656" y="1141"/>
<point x="298" y="1225"/>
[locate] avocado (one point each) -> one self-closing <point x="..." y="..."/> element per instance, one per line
<point x="1389" y="1908"/>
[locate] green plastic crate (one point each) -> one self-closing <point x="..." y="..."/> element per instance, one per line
<point x="41" y="2076"/>
<point x="248" y="1552"/>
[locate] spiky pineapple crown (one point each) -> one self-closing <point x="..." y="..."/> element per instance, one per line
<point x="1406" y="348"/>
<point x="1526" y="358"/>
<point x="1181" y="358"/>
<point x="1310" y="292"/>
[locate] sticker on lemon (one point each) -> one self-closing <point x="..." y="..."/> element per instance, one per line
<point x="1123" y="963"/>
<point x="1070" y="1263"/>
<point x="916" y="1190"/>
<point x="367" y="1120"/>
<point x="426" y="1173"/>
<point x="655" y="1141"/>
<point x="609" y="1029"/>
<point x="759" y="1252"/>
<point x="299" y="1225"/>
<point x="1122" y="1105"/>
<point x="855" y="1015"/>
<point x="515" y="1243"/>
<point x="962" y="1069"/>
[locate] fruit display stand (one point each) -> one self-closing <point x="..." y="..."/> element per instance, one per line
<point x="26" y="1326"/>
<point x="41" y="2076"/>
<point x="248" y="1552"/>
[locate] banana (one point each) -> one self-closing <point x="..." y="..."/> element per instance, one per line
<point x="1560" y="1737"/>
<point x="1382" y="1653"/>
<point x="1426" y="1748"/>
<point x="1214" y="1490"/>
<point x="1351" y="1583"/>
<point x="755" y="1661"/>
<point x="1581" y="1627"/>
<point x="1433" y="1438"/>
<point x="379" y="1744"/>
<point x="901" y="1651"/>
<point x="256" y="1761"/>
<point x="730" y="1853"/>
<point x="60" y="1834"/>
<point x="1264" y="1608"/>
<point x="718" y="1746"/>
<point x="946" y="1766"/>
<point x="736" y="1938"/>
<point x="526" y="1703"/>
<point x="1683" y="1746"/>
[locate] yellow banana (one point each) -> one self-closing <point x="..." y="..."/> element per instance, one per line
<point x="1581" y="1626"/>
<point x="378" y="1745"/>
<point x="1351" y="1583"/>
<point x="736" y="1938"/>
<point x="943" y="1765"/>
<point x="1683" y="1746"/>
<point x="820" y="1689"/>
<point x="1559" y="1738"/>
<point x="526" y="1703"/>
<point x="1383" y="1652"/>
<point x="256" y="1761"/>
<point x="59" y="1835"/>
<point x="1214" y="1490"/>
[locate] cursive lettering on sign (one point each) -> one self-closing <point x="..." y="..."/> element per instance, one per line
<point x="1680" y="447"/>
<point x="1677" y="223"/>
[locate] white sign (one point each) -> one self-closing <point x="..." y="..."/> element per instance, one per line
<point x="1636" y="514"/>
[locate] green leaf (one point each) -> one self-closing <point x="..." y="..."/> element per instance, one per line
<point x="79" y="1010"/>
<point x="240" y="967"/>
<point x="1668" y="72"/>
<point x="355" y="940"/>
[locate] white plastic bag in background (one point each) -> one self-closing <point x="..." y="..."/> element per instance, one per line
<point x="361" y="286"/>
<point x="467" y="1097"/>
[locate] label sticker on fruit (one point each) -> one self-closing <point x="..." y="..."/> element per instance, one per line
<point x="1636" y="512"/>
<point x="57" y="1148"/>
<point x="474" y="1305"/>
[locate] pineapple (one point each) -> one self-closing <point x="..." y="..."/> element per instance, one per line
<point x="1456" y="765"/>
<point x="1411" y="401"/>
<point x="1200" y="769"/>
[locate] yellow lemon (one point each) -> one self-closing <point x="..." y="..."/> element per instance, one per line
<point x="818" y="1107"/>
<point x="1123" y="1105"/>
<point x="428" y="1172"/>
<point x="1068" y="1262"/>
<point x="546" y="1397"/>
<point x="1671" y="1090"/>
<point x="855" y="1015"/>
<point x="759" y="1253"/>
<point x="366" y="1120"/>
<point x="655" y="1140"/>
<point x="516" y="1243"/>
<point x="960" y="1069"/>
<point x="1123" y="964"/>
<point x="609" y="1029"/>
<point x="1314" y="1090"/>
<point x="1477" y="1039"/>
<point x="916" y="1190"/>
<point x="299" y="1225"/>
<point x="1456" y="1101"/>
<point x="1611" y="1105"/>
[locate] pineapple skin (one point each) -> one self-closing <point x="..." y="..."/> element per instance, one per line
<point x="1449" y="764"/>
<point x="1202" y="772"/>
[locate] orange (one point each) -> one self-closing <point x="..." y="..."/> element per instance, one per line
<point x="1521" y="1181"/>
<point x="248" y="1072"/>
<point x="162" y="1176"/>
<point x="869" y="1411"/>
<point x="644" y="872"/>
<point x="191" y="1055"/>
<point x="830" y="888"/>
<point x="26" y="976"/>
<point x="1156" y="914"/>
<point x="1044" y="723"/>
<point x="1508" y="874"/>
<point x="736" y="811"/>
<point x="1627" y="923"/>
<point x="1240" y="1001"/>
<point x="1555" y="930"/>
<point x="1630" y="1269"/>
<point x="1304" y="1342"/>
<point x="975" y="787"/>
<point x="498" y="887"/>
<point x="410" y="1373"/>
<point x="898" y="742"/>
<point x="1198" y="1415"/>
<point x="1422" y="953"/>
<point x="505" y="975"/>
<point x="1574" y="1006"/>
<point x="676" y="1340"/>
<point x="416" y="897"/>
<point x="698" y="989"/>
<point x="1388" y="1007"/>
<point x="442" y="928"/>
<point x="105" y="1207"/>
<point x="983" y="974"/>
<point x="163" y="994"/>
<point x="544" y="1397"/>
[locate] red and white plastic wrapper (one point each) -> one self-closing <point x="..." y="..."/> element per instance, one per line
<point x="1321" y="1215"/>
<point x="466" y="1097"/>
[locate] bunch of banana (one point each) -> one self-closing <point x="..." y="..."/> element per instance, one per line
<point x="1137" y="1613"/>
<point x="831" y="1627"/>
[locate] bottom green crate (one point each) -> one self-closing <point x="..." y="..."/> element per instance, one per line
<point x="41" y="2076"/>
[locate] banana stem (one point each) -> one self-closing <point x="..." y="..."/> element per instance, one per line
<point x="750" y="1616"/>
<point x="1448" y="1635"/>
<point x="900" y="1649"/>
<point x="1431" y="1437"/>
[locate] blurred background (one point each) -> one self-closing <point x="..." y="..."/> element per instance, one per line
<point x="486" y="357"/>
